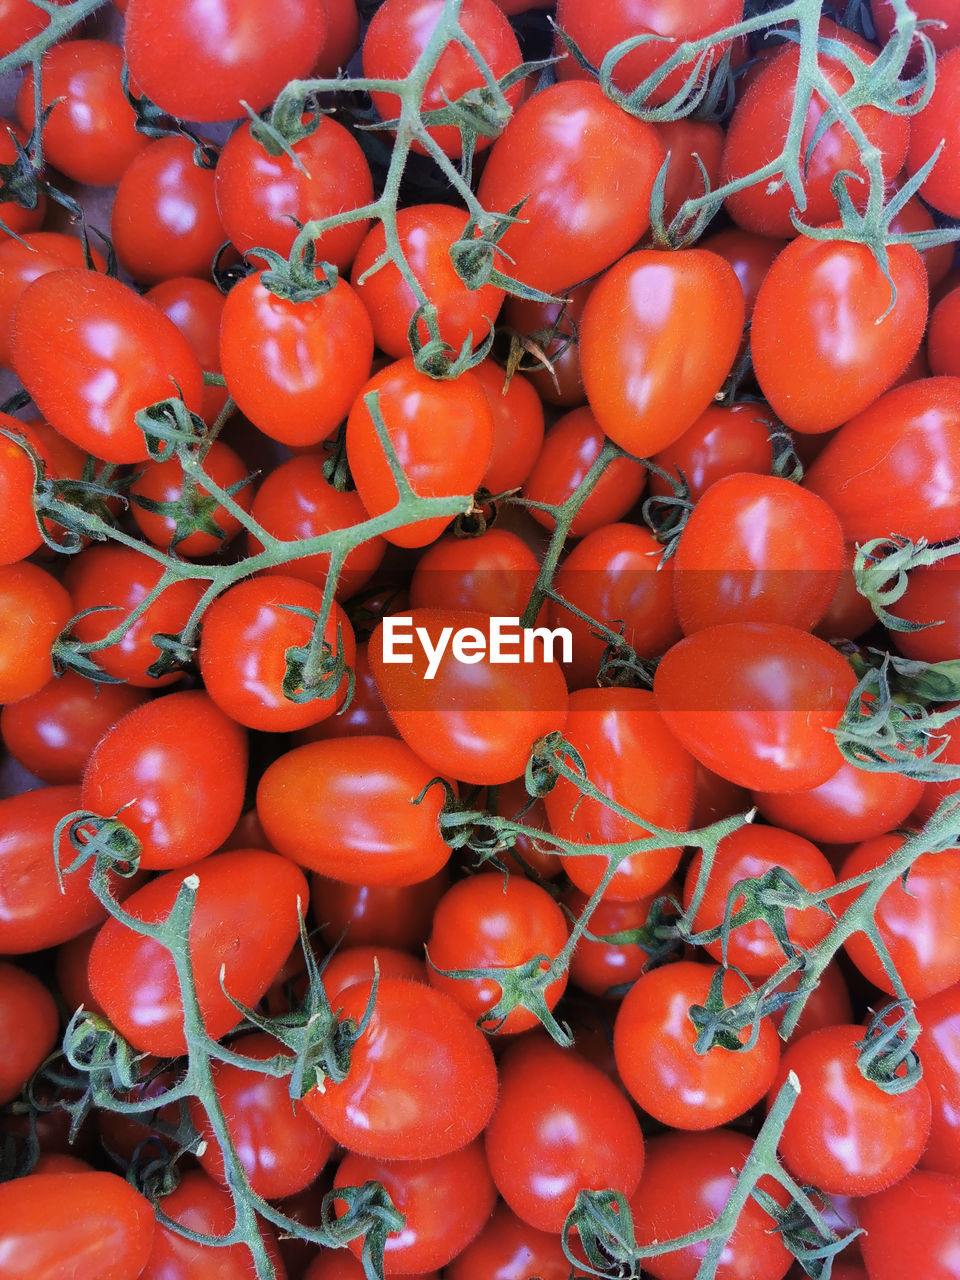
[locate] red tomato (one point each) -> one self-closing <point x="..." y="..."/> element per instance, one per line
<point x="23" y="261"/>
<point x="653" y="1040"/>
<point x="827" y="1005"/>
<point x="705" y="1165"/>
<point x="716" y="798"/>
<point x="397" y="38"/>
<point x="849" y="614"/>
<point x="895" y="468"/>
<point x="845" y="1135"/>
<point x="825" y="339"/>
<point x="29" y="1024"/>
<point x="165" y="482"/>
<point x="493" y="574"/>
<point x="114" y="579"/>
<point x="114" y="354"/>
<point x="632" y="758"/>
<point x="164" y="221"/>
<point x="34" y="609"/>
<point x="99" y="1217"/>
<point x="551" y="329"/>
<point x="938" y="122"/>
<point x="251" y="653"/>
<point x="913" y="1229"/>
<point x="752" y="702"/>
<point x="689" y="144"/>
<point x="262" y="197"/>
<point x="422" y="1079"/>
<point x="585" y="170"/>
<point x="350" y="965"/>
<point x="918" y="923"/>
<point x="342" y="36"/>
<point x="90" y="134"/>
<point x="509" y="1249"/>
<point x="748" y="854"/>
<point x="377" y="914"/>
<point x="570" y="448"/>
<point x="939" y="1050"/>
<point x="597" y="966"/>
<point x="366" y="714"/>
<point x="178" y="57"/>
<point x="517" y="427"/>
<point x="560" y="1127"/>
<point x="512" y="798"/>
<point x="196" y="307"/>
<point x="20" y="20"/>
<point x="942" y="336"/>
<point x="853" y="805"/>
<point x="750" y="256"/>
<point x="16" y="217"/>
<point x="485" y="922"/>
<point x="476" y="721"/>
<point x="71" y="970"/>
<point x="340" y="1264"/>
<point x="914" y="216"/>
<point x="724" y="441"/>
<point x="175" y="770"/>
<point x="756" y="549"/>
<point x="444" y="1201"/>
<point x="345" y="808"/>
<point x="659" y="334"/>
<point x="295" y="368"/>
<point x="245" y="920"/>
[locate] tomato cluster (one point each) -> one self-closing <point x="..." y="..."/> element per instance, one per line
<point x="478" y="649"/>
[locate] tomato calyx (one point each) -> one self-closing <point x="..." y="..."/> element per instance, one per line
<point x="886" y="1053"/>
<point x="881" y="571"/>
<point x="806" y="1235"/>
<point x="436" y="358"/>
<point x="299" y="278"/>
<point x="601" y="1224"/>
<point x="192" y="511"/>
<point x="105" y="841"/>
<point x="371" y="1213"/>
<point x="522" y="986"/>
<point x="474" y="255"/>
<point x="719" y="1025"/>
<point x="315" y="670"/>
<point x="168" y="426"/>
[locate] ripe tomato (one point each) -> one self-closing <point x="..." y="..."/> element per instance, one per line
<point x="493" y="574"/>
<point x="294" y="368"/>
<point x="827" y="1005"/>
<point x="90" y="134"/>
<point x="345" y="808"/>
<point x="377" y="914"/>
<point x="340" y="1264"/>
<point x="349" y="965"/>
<point x="914" y="216"/>
<point x="939" y="1050"/>
<point x="560" y="1127"/>
<point x="476" y="721"/>
<point x="507" y="1249"/>
<point x="444" y="1201"/>
<point x="20" y="20"/>
<point x="366" y="714"/>
<point x="164" y="482"/>
<point x="689" y="144"/>
<point x="485" y="922"/>
<point x="22" y="261"/>
<point x="912" y="1228"/>
<point x="178" y="57"/>
<point x="632" y="758"/>
<point x="752" y="702"/>
<point x="261" y="197"/>
<point x="245" y="921"/>
<point x="552" y="329"/>
<point x="585" y="171"/>
<point x="659" y="334"/>
<point x="938" y="122"/>
<point x="653" y="1040"/>
<point x="29" y="1023"/>
<point x="16" y="217"/>
<point x="825" y="339"/>
<point x="942" y="336"/>
<point x="104" y="1222"/>
<point x="34" y="609"/>
<point x="422" y="1079"/>
<point x="342" y="36"/>
<point x="852" y="805"/>
<point x="176" y="768"/>
<point x="750" y="256"/>
<point x="756" y="549"/>
<point x="251" y="653"/>
<point x="597" y="966"/>
<point x="115" y="354"/>
<point x="517" y="426"/>
<point x="724" y="441"/>
<point x="845" y="1135"/>
<point x="196" y="308"/>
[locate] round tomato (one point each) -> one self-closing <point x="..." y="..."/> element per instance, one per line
<point x="34" y="609"/>
<point x="493" y="574"/>
<point x="349" y="965"/>
<point x="913" y="1229"/>
<point x="939" y="123"/>
<point x="596" y="966"/>
<point x="510" y="1249"/>
<point x="165" y="482"/>
<point x="828" y="1005"/>
<point x="29" y="1023"/>
<point x="365" y="716"/>
<point x="377" y="914"/>
<point x="939" y="1050"/>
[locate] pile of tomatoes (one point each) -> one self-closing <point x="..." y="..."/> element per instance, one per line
<point x="631" y="323"/>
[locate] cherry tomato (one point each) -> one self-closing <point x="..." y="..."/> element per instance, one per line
<point x="939" y="1050"/>
<point x="20" y="20"/>
<point x="852" y="805"/>
<point x="690" y="144"/>
<point x="342" y="36"/>
<point x="724" y="441"/>
<point x="422" y="1079"/>
<point x="548" y="331"/>
<point x="914" y="216"/>
<point x="365" y="716"/>
<point x="22" y="261"/>
<point x="345" y="808"/>
<point x="933" y="124"/>
<point x="350" y="965"/>
<point x="196" y="307"/>
<point x="512" y="801"/>
<point x="827" y="1005"/>
<point x="377" y="914"/>
<point x="510" y="1249"/>
<point x="517" y="427"/>
<point x="493" y="574"/>
<point x="29" y="1023"/>
<point x="34" y="609"/>
<point x="597" y="966"/>
<point x="165" y="482"/>
<point x="913" y="1228"/>
<point x="340" y="1264"/>
<point x="751" y="257"/>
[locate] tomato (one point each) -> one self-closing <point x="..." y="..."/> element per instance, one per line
<point x="570" y="448"/>
<point x="377" y="914"/>
<point x="165" y="482"/>
<point x="71" y="972"/>
<point x="751" y="257"/>
<point x="196" y="307"/>
<point x="938" y="122"/>
<point x="616" y="575"/>
<point x="366" y="715"/>
<point x="705" y="1165"/>
<point x="918" y="923"/>
<point x="20" y="20"/>
<point x="252" y="647"/>
<point x="476" y="721"/>
<point x="17" y="217"/>
<point x="29" y="1024"/>
<point x="422" y="1079"/>
<point x="19" y="531"/>
<point x="659" y="334"/>
<point x="23" y="261"/>
<point x="517" y="426"/>
<point x="632" y="758"/>
<point x="114" y="354"/>
<point x="942" y="335"/>
<point x="689" y="144"/>
<point x="551" y="328"/>
<point x="716" y="798"/>
<point x="725" y="440"/>
<point x="510" y="1249"/>
<point x="895" y="467"/>
<point x="939" y="1050"/>
<point x="756" y="549"/>
<point x="653" y="1040"/>
<point x="585" y="170"/>
<point x="758" y="129"/>
<point x="852" y="805"/>
<point x="34" y="609"/>
<point x="114" y="579"/>
<point x="444" y="1201"/>
<point x="262" y="197"/>
<point x="493" y="574"/>
<point x="913" y="1228"/>
<point x="425" y="233"/>
<point x="849" y="614"/>
<point x="174" y="770"/>
<point x="512" y="799"/>
<point x="90" y="134"/>
<point x="245" y="921"/>
<point x="751" y="701"/>
<point x="296" y="501"/>
<point x="825" y="339"/>
<point x="845" y="1135"/>
<point x="345" y="808"/>
<point x="914" y="216"/>
<point x="178" y="57"/>
<point x="350" y="965"/>
<point x="281" y="1147"/>
<point x="340" y="1264"/>
<point x="294" y="368"/>
<point x="52" y="1220"/>
<point x="486" y="922"/>
<point x="342" y="36"/>
<point x="827" y="1005"/>
<point x="399" y="34"/>
<point x="596" y="966"/>
<point x="748" y="854"/>
<point x="560" y="1127"/>
<point x="944" y="31"/>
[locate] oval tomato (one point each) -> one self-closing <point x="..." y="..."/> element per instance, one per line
<point x="493" y="574"/>
<point x="517" y="426"/>
<point x="24" y="260"/>
<point x="196" y="308"/>
<point x="508" y="1248"/>
<point x="937" y="123"/>
<point x="29" y="1023"/>
<point x="913" y="1228"/>
<point x="724" y="441"/>
<point x="34" y="609"/>
<point x="852" y="805"/>
<point x="377" y="914"/>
